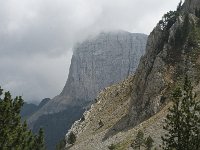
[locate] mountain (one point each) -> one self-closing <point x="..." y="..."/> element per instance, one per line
<point x="43" y="102"/>
<point x="97" y="62"/>
<point x="141" y="101"/>
<point x="56" y="124"/>
<point x="28" y="109"/>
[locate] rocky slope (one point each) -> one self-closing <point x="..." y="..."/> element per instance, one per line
<point x="172" y="51"/>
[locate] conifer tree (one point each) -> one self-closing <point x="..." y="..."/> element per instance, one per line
<point x="139" y="141"/>
<point x="183" y="120"/>
<point x="149" y="143"/>
<point x="14" y="135"/>
<point x="39" y="140"/>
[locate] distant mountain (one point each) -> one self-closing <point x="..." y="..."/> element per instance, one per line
<point x="43" y="102"/>
<point x="55" y="124"/>
<point x="96" y="63"/>
<point x="28" y="109"/>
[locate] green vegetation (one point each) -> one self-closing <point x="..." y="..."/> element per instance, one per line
<point x="140" y="142"/>
<point x="183" y="120"/>
<point x="168" y="20"/>
<point x="15" y="135"/>
<point x="61" y="144"/>
<point x="72" y="138"/>
<point x="149" y="143"/>
<point x="112" y="147"/>
<point x="101" y="124"/>
<point x="166" y="23"/>
<point x="39" y="140"/>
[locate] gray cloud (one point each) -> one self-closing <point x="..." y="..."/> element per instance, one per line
<point x="37" y="36"/>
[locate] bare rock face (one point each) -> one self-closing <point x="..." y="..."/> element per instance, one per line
<point x="102" y="61"/>
<point x="150" y="80"/>
<point x="96" y="63"/>
<point x="161" y="67"/>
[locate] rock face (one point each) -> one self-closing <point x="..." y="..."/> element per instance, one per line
<point x="100" y="62"/>
<point x="97" y="63"/>
<point x="166" y="61"/>
<point x="191" y="5"/>
<point x="173" y="50"/>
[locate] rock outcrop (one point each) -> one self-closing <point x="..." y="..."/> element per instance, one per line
<point x="166" y="61"/>
<point x="172" y="51"/>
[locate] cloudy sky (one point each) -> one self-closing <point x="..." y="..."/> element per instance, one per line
<point x="37" y="37"/>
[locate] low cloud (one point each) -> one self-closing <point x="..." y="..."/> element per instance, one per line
<point x="37" y="37"/>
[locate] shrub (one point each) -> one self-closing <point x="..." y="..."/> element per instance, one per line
<point x="71" y="138"/>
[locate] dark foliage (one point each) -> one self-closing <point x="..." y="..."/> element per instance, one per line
<point x="183" y="120"/>
<point x="139" y="140"/>
<point x="14" y="134"/>
<point x="149" y="143"/>
<point x="112" y="147"/>
<point x="71" y="138"/>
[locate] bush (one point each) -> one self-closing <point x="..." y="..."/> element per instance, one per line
<point x="112" y="147"/>
<point x="71" y="138"/>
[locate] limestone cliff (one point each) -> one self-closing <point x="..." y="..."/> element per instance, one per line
<point x="168" y="58"/>
<point x="102" y="61"/>
<point x="141" y="101"/>
<point x="96" y="63"/>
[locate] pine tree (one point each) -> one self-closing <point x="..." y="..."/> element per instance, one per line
<point x="149" y="143"/>
<point x="112" y="147"/>
<point x="39" y="140"/>
<point x="183" y="120"/>
<point x="139" y="141"/>
<point x="179" y="7"/>
<point x="14" y="135"/>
